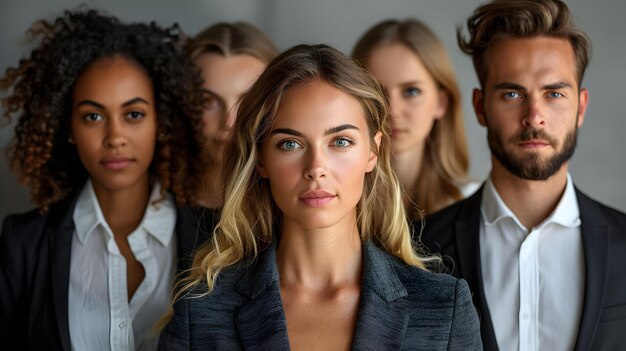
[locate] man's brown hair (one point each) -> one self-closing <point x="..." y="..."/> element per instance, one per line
<point x="503" y="19"/>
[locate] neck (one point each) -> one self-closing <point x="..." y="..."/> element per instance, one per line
<point x="531" y="201"/>
<point x="407" y="166"/>
<point x="319" y="259"/>
<point x="212" y="195"/>
<point x="124" y="209"/>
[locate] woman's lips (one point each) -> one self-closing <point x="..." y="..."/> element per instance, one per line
<point x="116" y="163"/>
<point x="316" y="198"/>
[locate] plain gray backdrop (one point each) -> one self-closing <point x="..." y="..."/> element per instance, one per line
<point x="598" y="167"/>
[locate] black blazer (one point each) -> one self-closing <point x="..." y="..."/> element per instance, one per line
<point x="454" y="232"/>
<point x="402" y="308"/>
<point x="34" y="274"/>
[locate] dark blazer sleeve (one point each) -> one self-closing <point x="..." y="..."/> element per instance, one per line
<point x="175" y="335"/>
<point x="465" y="330"/>
<point x="13" y="277"/>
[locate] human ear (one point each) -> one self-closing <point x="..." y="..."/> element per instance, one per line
<point x="478" y="100"/>
<point x="583" y="100"/>
<point x="371" y="162"/>
<point x="261" y="169"/>
<point x="443" y="100"/>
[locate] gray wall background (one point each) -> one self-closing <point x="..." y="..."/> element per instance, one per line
<point x="598" y="167"/>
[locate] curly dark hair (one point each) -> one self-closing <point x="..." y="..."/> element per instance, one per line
<point x="41" y="96"/>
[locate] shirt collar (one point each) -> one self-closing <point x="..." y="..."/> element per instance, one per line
<point x="566" y="213"/>
<point x="158" y="220"/>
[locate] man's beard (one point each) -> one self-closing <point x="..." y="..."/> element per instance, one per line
<point x="531" y="166"/>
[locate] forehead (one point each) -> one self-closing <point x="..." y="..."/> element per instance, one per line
<point x="529" y="61"/>
<point x="113" y="78"/>
<point x="239" y="71"/>
<point x="395" y="62"/>
<point x="318" y="105"/>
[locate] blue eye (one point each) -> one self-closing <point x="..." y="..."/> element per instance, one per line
<point x="93" y="117"/>
<point x="342" y="142"/>
<point x="411" y="92"/>
<point x="511" y="95"/>
<point x="288" y="145"/>
<point x="555" y="95"/>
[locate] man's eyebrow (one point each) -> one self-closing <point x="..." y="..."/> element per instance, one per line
<point x="507" y="85"/>
<point x="557" y="85"/>
<point x="513" y="86"/>
<point x="288" y="131"/>
<point x="340" y="128"/>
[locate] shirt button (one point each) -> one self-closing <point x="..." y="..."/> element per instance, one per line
<point x="122" y="325"/>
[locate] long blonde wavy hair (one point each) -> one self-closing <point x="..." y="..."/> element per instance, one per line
<point x="446" y="161"/>
<point x="250" y="218"/>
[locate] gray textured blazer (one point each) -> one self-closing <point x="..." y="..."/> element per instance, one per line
<point x="401" y="308"/>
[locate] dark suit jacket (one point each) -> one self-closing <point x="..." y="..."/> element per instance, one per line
<point x="34" y="274"/>
<point x="401" y="308"/>
<point x="454" y="232"/>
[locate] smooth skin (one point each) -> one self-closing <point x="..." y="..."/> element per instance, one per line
<point x="315" y="160"/>
<point x="114" y="128"/>
<point x="416" y="102"/>
<point x="531" y="85"/>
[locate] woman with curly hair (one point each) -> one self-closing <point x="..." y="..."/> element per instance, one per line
<point x="313" y="249"/>
<point x="428" y="138"/>
<point x="109" y="128"/>
<point x="231" y="57"/>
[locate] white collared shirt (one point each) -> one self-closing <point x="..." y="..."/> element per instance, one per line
<point x="533" y="279"/>
<point x="100" y="315"/>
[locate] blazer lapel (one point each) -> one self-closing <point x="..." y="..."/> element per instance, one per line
<point x="595" y="239"/>
<point x="467" y="238"/>
<point x="261" y="321"/>
<point x="382" y="322"/>
<point x="61" y="230"/>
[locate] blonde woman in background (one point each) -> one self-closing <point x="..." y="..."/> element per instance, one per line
<point x="428" y="138"/>
<point x="231" y="57"/>
<point x="313" y="248"/>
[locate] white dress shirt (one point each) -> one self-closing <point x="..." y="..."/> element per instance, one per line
<point x="100" y="315"/>
<point x="533" y="279"/>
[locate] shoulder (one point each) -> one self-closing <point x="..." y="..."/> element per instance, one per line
<point x="440" y="226"/>
<point x="203" y="319"/>
<point x="425" y="286"/>
<point x="439" y="305"/>
<point x="23" y="229"/>
<point x="593" y="210"/>
<point x="392" y="277"/>
<point x="218" y="305"/>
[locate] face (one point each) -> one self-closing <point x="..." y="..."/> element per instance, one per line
<point x="226" y="78"/>
<point x="114" y="123"/>
<point x="416" y="101"/>
<point x="317" y="155"/>
<point x="532" y="106"/>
